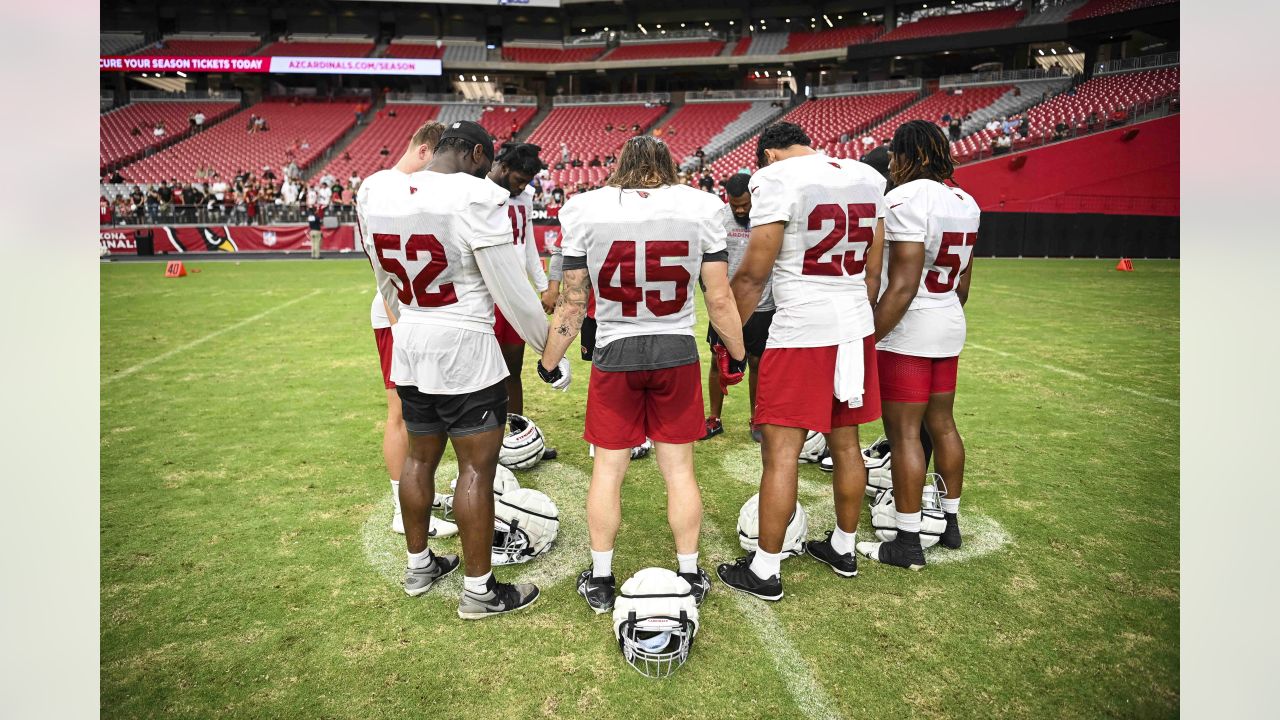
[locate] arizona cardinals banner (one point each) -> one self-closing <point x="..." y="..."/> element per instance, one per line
<point x="170" y="239"/>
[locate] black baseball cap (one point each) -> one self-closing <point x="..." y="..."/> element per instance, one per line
<point x="471" y="132"/>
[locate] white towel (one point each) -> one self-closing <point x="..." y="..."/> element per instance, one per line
<point x="849" y="373"/>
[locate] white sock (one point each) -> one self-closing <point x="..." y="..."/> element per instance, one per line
<point x="908" y="522"/>
<point x="417" y="561"/>
<point x="477" y="585"/>
<point x="601" y="563"/>
<point x="688" y="563"/>
<point x="395" y="494"/>
<point x="842" y="542"/>
<point x="766" y="564"/>
<point x="950" y="505"/>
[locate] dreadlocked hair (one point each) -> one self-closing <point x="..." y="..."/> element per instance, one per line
<point x="459" y="144"/>
<point x="920" y="151"/>
<point x="645" y="162"/>
<point x="521" y="157"/>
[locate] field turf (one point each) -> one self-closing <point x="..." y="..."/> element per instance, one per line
<point x="248" y="569"/>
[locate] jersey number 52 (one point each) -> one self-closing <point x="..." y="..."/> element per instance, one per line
<point x="846" y="225"/>
<point x="414" y="288"/>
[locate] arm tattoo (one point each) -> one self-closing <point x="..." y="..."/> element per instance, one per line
<point x="571" y="306"/>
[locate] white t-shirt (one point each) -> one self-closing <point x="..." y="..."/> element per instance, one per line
<point x="644" y="252"/>
<point x="736" y="240"/>
<point x="945" y="219"/>
<point x="830" y="208"/>
<point x="421" y="232"/>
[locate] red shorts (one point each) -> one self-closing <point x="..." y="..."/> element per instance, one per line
<point x="382" y="336"/>
<point x="911" y="379"/>
<point x="507" y="335"/>
<point x="623" y="408"/>
<point x="797" y="389"/>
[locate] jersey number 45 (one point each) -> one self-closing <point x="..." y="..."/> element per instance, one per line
<point x="620" y="265"/>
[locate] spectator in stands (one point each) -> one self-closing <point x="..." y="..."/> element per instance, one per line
<point x="267" y="174"/>
<point x="289" y="191"/>
<point x="702" y="158"/>
<point x="515" y="128"/>
<point x="557" y="196"/>
<point x="324" y="195"/>
<point x="253" y="123"/>
<point x="635" y="128"/>
<point x="306" y="144"/>
<point x="191" y="121"/>
<point x="135" y="131"/>
<point x="657" y="132"/>
<point x="609" y="160"/>
<point x="353" y="182"/>
<point x="262" y="125"/>
<point x="706" y="182"/>
<point x="954" y="126"/>
<point x="1002" y="145"/>
<point x="1008" y="126"/>
<point x="104" y="211"/>
<point x="993" y="125"/>
<point x="116" y="177"/>
<point x="564" y="153"/>
<point x="136" y="196"/>
<point x="1060" y="130"/>
<point x="199" y="118"/>
<point x="158" y="130"/>
<point x="152" y="206"/>
<point x="219" y="189"/>
<point x="671" y="132"/>
<point x="292" y="170"/>
<point x="946" y="118"/>
<point x="1092" y="122"/>
<point x="595" y="161"/>
<point x="385" y="151"/>
<point x="1024" y="126"/>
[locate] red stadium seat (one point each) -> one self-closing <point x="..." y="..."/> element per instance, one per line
<point x="392" y="132"/>
<point x="799" y="42"/>
<point x="933" y="107"/>
<point x="550" y="54"/>
<point x="426" y="51"/>
<point x="648" y="51"/>
<point x="940" y="25"/>
<point x="1097" y="8"/>
<point x="318" y="49"/>
<point x="696" y="123"/>
<point x="202" y="48"/>
<point x="582" y="129"/>
<point x="117" y="143"/>
<point x="228" y="147"/>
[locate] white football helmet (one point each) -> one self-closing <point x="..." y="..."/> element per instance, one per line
<point x="655" y="619"/>
<point x="503" y="481"/>
<point x="525" y="525"/>
<point x="876" y="459"/>
<point x="932" y="520"/>
<point x="749" y="528"/>
<point x="522" y="446"/>
<point x="815" y="445"/>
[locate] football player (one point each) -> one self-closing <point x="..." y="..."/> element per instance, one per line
<point x="640" y="241"/>
<point x="931" y="228"/>
<point x="816" y="224"/>
<point x="440" y="243"/>
<point x="736" y="218"/>
<point x="513" y="168"/>
<point x="395" y="441"/>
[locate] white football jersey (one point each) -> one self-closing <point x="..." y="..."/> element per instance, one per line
<point x="830" y="208"/>
<point x="644" y="252"/>
<point x="945" y="219"/>
<point x="520" y="211"/>
<point x="423" y="231"/>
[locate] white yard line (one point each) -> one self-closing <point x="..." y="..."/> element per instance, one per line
<point x="201" y="340"/>
<point x="1072" y="374"/>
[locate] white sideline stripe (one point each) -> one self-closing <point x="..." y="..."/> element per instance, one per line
<point x="1076" y="306"/>
<point x="199" y="341"/>
<point x="1073" y="374"/>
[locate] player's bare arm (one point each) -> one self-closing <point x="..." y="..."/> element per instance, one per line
<point x="875" y="263"/>
<point x="500" y="266"/>
<point x="721" y="308"/>
<point x="762" y="251"/>
<point x="962" y="289"/>
<point x="571" y="308"/>
<point x="906" y="262"/>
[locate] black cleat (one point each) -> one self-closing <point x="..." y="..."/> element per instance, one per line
<point x="713" y="428"/>
<point x="738" y="576"/>
<point x="598" y="592"/>
<point x="951" y="536"/>
<point x="699" y="582"/>
<point x="845" y="565"/>
<point x="903" y="552"/>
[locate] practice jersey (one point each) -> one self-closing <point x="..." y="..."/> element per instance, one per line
<point x="644" y="250"/>
<point x="830" y="208"/>
<point x="421" y="232"/>
<point x="736" y="241"/>
<point x="520" y="211"/>
<point x="945" y="219"/>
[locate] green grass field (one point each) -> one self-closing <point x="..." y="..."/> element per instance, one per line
<point x="248" y="569"/>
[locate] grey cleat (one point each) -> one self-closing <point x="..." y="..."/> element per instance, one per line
<point x="497" y="599"/>
<point x="419" y="581"/>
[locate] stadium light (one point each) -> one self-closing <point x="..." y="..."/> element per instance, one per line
<point x="752" y="28"/>
<point x="486" y="78"/>
<point x="181" y="74"/>
<point x="1041" y="51"/>
<point x="144" y="74"/>
<point x="584" y="29"/>
<point x="813" y="20"/>
<point x="829" y="23"/>
<point x="730" y="23"/>
<point x="641" y="26"/>
<point x="462" y="78"/>
<point x="1053" y="50"/>
<point x="681" y="24"/>
<point x="766" y="73"/>
<point x="1070" y="49"/>
<point x="659" y="26"/>
<point x="606" y="29"/>
<point x="473" y="78"/>
<point x="864" y="13"/>
<point x="788" y="20"/>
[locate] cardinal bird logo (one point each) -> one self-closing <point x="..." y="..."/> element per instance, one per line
<point x="215" y="242"/>
<point x="412" y="189"/>
<point x="642" y="193"/>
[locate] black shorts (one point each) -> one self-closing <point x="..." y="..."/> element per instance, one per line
<point x="588" y="338"/>
<point x="458" y="415"/>
<point x="754" y="334"/>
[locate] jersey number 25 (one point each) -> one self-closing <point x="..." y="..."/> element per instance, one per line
<point x="846" y="224"/>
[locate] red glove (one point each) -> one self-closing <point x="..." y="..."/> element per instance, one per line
<point x="731" y="371"/>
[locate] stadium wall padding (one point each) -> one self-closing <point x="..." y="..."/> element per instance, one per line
<point x="1098" y="174"/>
<point x="1026" y="234"/>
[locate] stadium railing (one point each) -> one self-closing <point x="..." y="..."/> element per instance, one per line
<point x="160" y="95"/>
<point x="723" y="95"/>
<point x="659" y="35"/>
<point x="1144" y="62"/>
<point x="656" y="98"/>
<point x="454" y="98"/>
<point x="1003" y="77"/>
<point x="868" y="88"/>
<point x="267" y="214"/>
